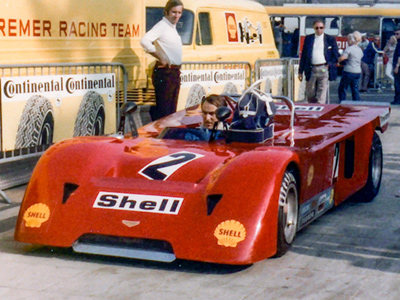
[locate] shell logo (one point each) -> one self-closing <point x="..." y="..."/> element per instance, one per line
<point x="230" y="233"/>
<point x="231" y="27"/>
<point x="36" y="214"/>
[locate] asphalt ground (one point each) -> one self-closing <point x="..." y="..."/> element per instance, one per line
<point x="351" y="252"/>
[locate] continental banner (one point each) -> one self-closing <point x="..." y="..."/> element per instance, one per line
<point x="38" y="110"/>
<point x="195" y="84"/>
<point x="273" y="76"/>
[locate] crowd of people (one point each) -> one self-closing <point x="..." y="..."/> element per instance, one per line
<point x="320" y="57"/>
<point x="319" y="60"/>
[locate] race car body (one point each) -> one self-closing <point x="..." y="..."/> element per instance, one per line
<point x="169" y="194"/>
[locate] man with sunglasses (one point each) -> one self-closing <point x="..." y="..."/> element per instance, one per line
<point x="396" y="70"/>
<point x="318" y="61"/>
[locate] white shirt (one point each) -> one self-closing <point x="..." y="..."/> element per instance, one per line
<point x="164" y="38"/>
<point x="318" y="56"/>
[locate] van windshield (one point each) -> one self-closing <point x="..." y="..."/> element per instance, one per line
<point x="184" y="26"/>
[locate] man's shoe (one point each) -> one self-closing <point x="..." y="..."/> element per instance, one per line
<point x="395" y="103"/>
<point x="363" y="91"/>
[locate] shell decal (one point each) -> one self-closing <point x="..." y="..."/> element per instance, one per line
<point x="229" y="233"/>
<point x="36" y="214"/>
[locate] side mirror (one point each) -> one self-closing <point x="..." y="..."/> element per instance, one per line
<point x="127" y="110"/>
<point x="222" y="113"/>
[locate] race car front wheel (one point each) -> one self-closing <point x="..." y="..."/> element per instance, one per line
<point x="288" y="213"/>
<point x="371" y="188"/>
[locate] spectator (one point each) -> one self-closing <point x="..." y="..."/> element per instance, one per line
<point x="396" y="65"/>
<point x="368" y="62"/>
<point x="352" y="70"/>
<point x="165" y="44"/>
<point x="278" y="35"/>
<point x="318" y="61"/>
<point x="364" y="42"/>
<point x="389" y="51"/>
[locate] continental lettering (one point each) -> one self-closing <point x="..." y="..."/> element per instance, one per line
<point x="11" y="88"/>
<point x="215" y="76"/>
<point x="138" y="203"/>
<point x="88" y="84"/>
<point x="71" y="84"/>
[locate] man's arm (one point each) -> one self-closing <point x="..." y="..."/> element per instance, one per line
<point x="335" y="50"/>
<point x="303" y="58"/>
<point x="396" y="68"/>
<point x="148" y="45"/>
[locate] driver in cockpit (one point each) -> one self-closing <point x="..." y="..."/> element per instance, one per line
<point x="209" y="106"/>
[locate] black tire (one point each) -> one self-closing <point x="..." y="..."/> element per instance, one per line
<point x="91" y="116"/>
<point x="36" y="126"/>
<point x="371" y="188"/>
<point x="288" y="214"/>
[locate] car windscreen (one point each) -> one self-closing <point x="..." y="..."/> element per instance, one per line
<point x="189" y="134"/>
<point x="184" y="26"/>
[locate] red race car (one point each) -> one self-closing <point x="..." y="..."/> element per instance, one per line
<point x="235" y="196"/>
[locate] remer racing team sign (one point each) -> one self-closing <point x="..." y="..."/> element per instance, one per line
<point x="44" y="109"/>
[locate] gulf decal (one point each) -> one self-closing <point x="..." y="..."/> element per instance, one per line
<point x="163" y="167"/>
<point x="138" y="203"/>
<point x="229" y="233"/>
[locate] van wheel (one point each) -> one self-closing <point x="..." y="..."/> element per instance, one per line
<point x="230" y="89"/>
<point x="288" y="214"/>
<point x="91" y="116"/>
<point x="196" y="93"/>
<point x="371" y="188"/>
<point x="36" y="126"/>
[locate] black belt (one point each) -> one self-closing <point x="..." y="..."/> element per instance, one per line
<point x="319" y="65"/>
<point x="158" y="64"/>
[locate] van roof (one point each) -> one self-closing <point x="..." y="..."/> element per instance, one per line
<point x="332" y="10"/>
<point x="249" y="5"/>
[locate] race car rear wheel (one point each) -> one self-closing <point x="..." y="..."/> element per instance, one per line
<point x="288" y="213"/>
<point x="374" y="180"/>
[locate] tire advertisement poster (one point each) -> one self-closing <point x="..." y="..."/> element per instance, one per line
<point x="41" y="110"/>
<point x="195" y="84"/>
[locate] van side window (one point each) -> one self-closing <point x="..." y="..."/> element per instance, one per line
<point x="364" y="25"/>
<point x="184" y="26"/>
<point x="203" y="31"/>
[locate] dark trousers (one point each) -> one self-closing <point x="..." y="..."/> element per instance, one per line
<point x="167" y="82"/>
<point x="349" y="79"/>
<point x="397" y="88"/>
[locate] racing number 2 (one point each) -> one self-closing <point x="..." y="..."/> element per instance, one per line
<point x="165" y="166"/>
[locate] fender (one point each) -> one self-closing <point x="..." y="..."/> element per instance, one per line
<point x="239" y="183"/>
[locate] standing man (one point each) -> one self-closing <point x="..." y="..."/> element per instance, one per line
<point x="318" y="61"/>
<point x="396" y="70"/>
<point x="165" y="44"/>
